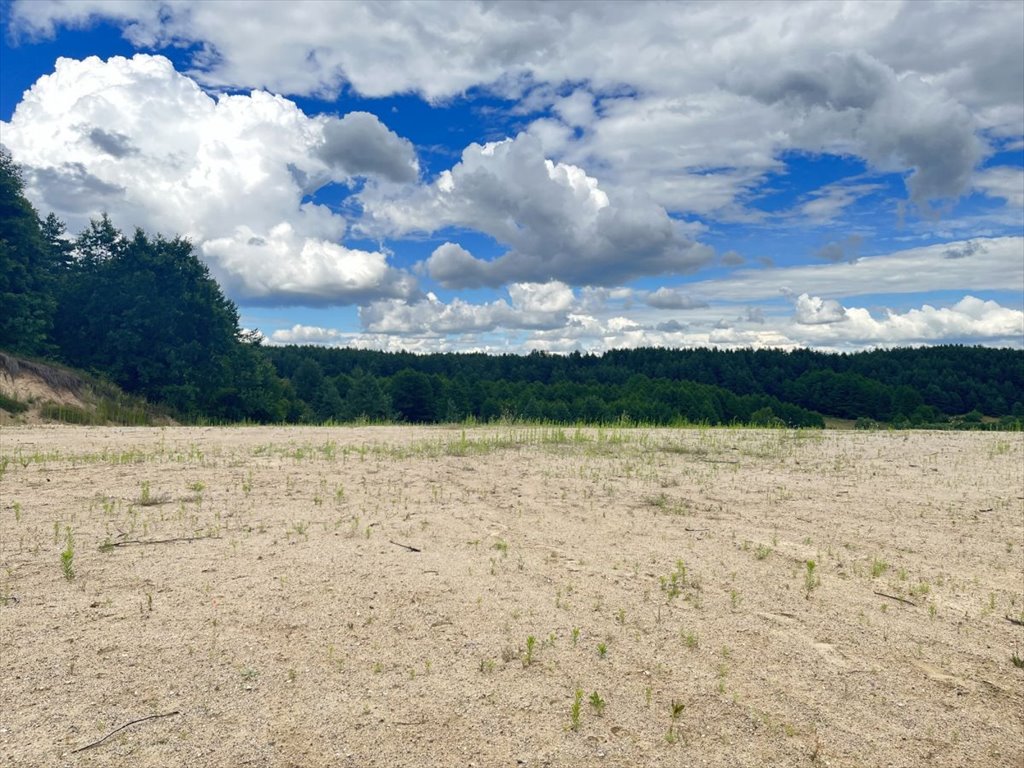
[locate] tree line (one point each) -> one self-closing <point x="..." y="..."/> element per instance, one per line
<point x="144" y="312"/>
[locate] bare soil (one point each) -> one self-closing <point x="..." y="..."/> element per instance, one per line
<point x="436" y="597"/>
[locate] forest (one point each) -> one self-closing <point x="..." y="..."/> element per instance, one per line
<point x="143" y="312"/>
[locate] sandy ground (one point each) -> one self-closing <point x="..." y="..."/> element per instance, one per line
<point x="290" y="623"/>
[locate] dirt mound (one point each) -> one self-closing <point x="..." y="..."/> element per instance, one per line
<point x="32" y="391"/>
<point x="26" y="385"/>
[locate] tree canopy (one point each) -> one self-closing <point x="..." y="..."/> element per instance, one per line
<point x="145" y="312"/>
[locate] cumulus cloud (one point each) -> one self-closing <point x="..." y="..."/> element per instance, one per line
<point x="969" y="320"/>
<point x="680" y="97"/>
<point x="359" y="143"/>
<point x="530" y="306"/>
<point x="813" y="310"/>
<point x="501" y="326"/>
<point x="136" y="139"/>
<point x="556" y="220"/>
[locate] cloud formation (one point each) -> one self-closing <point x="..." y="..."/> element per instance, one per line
<point x="681" y="97"/>
<point x="530" y="306"/>
<point x="134" y="138"/>
<point x="996" y="264"/>
<point x="555" y="219"/>
<point x="813" y="310"/>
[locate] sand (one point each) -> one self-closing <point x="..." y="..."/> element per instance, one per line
<point x="389" y="596"/>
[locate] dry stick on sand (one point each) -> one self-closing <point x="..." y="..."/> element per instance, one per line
<point x="405" y="546"/>
<point x="112" y="545"/>
<point x="116" y="730"/>
<point x="894" y="597"/>
<point x="1012" y="620"/>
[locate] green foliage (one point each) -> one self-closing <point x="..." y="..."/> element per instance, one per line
<point x="67" y="557"/>
<point x="27" y="269"/>
<point x="144" y="312"/>
<point x="12" y="405"/>
<point x="668" y="387"/>
<point x="811" y="579"/>
<point x="574" y="710"/>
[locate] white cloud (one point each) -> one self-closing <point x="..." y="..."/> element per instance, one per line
<point x="530" y="306"/>
<point x="433" y="325"/>
<point x="969" y="320"/>
<point x="715" y="94"/>
<point x="309" y="334"/>
<point x="828" y="202"/>
<point x="995" y="264"/>
<point x="1002" y="181"/>
<point x="134" y="138"/>
<point x="673" y="298"/>
<point x="557" y="221"/>
<point x="813" y="310"/>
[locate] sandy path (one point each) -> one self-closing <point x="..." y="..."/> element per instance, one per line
<point x="293" y="629"/>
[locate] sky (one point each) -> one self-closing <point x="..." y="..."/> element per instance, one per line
<point x="509" y="177"/>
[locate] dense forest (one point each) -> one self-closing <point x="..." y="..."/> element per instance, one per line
<point x="143" y="312"/>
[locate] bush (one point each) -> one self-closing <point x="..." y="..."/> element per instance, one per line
<point x="12" y="405"/>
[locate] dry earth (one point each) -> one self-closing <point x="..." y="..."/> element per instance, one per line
<point x="291" y="624"/>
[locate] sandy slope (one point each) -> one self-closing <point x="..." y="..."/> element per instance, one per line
<point x="293" y="629"/>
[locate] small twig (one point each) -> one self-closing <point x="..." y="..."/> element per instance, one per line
<point x="1012" y="620"/>
<point x="411" y="722"/>
<point x="113" y="544"/>
<point x="405" y="546"/>
<point x="894" y="597"/>
<point x="696" y="530"/>
<point x="133" y="722"/>
<point x="15" y="599"/>
<point x="719" y="461"/>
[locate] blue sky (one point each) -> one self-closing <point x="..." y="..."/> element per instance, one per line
<point x="509" y="177"/>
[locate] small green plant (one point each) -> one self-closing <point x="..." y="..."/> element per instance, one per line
<point x="502" y="546"/>
<point x="575" y="635"/>
<point x="602" y="650"/>
<point x="67" y="556"/>
<point x="597" y="703"/>
<point x="690" y="639"/>
<point x="675" y="582"/>
<point x="574" y="711"/>
<point x="878" y="567"/>
<point x="620" y="617"/>
<point x="1018" y="662"/>
<point x="735" y="598"/>
<point x="762" y="551"/>
<point x="531" y="643"/>
<point x="672" y="735"/>
<point x="811" y="579"/>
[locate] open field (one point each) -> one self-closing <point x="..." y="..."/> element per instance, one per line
<point x="289" y="622"/>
